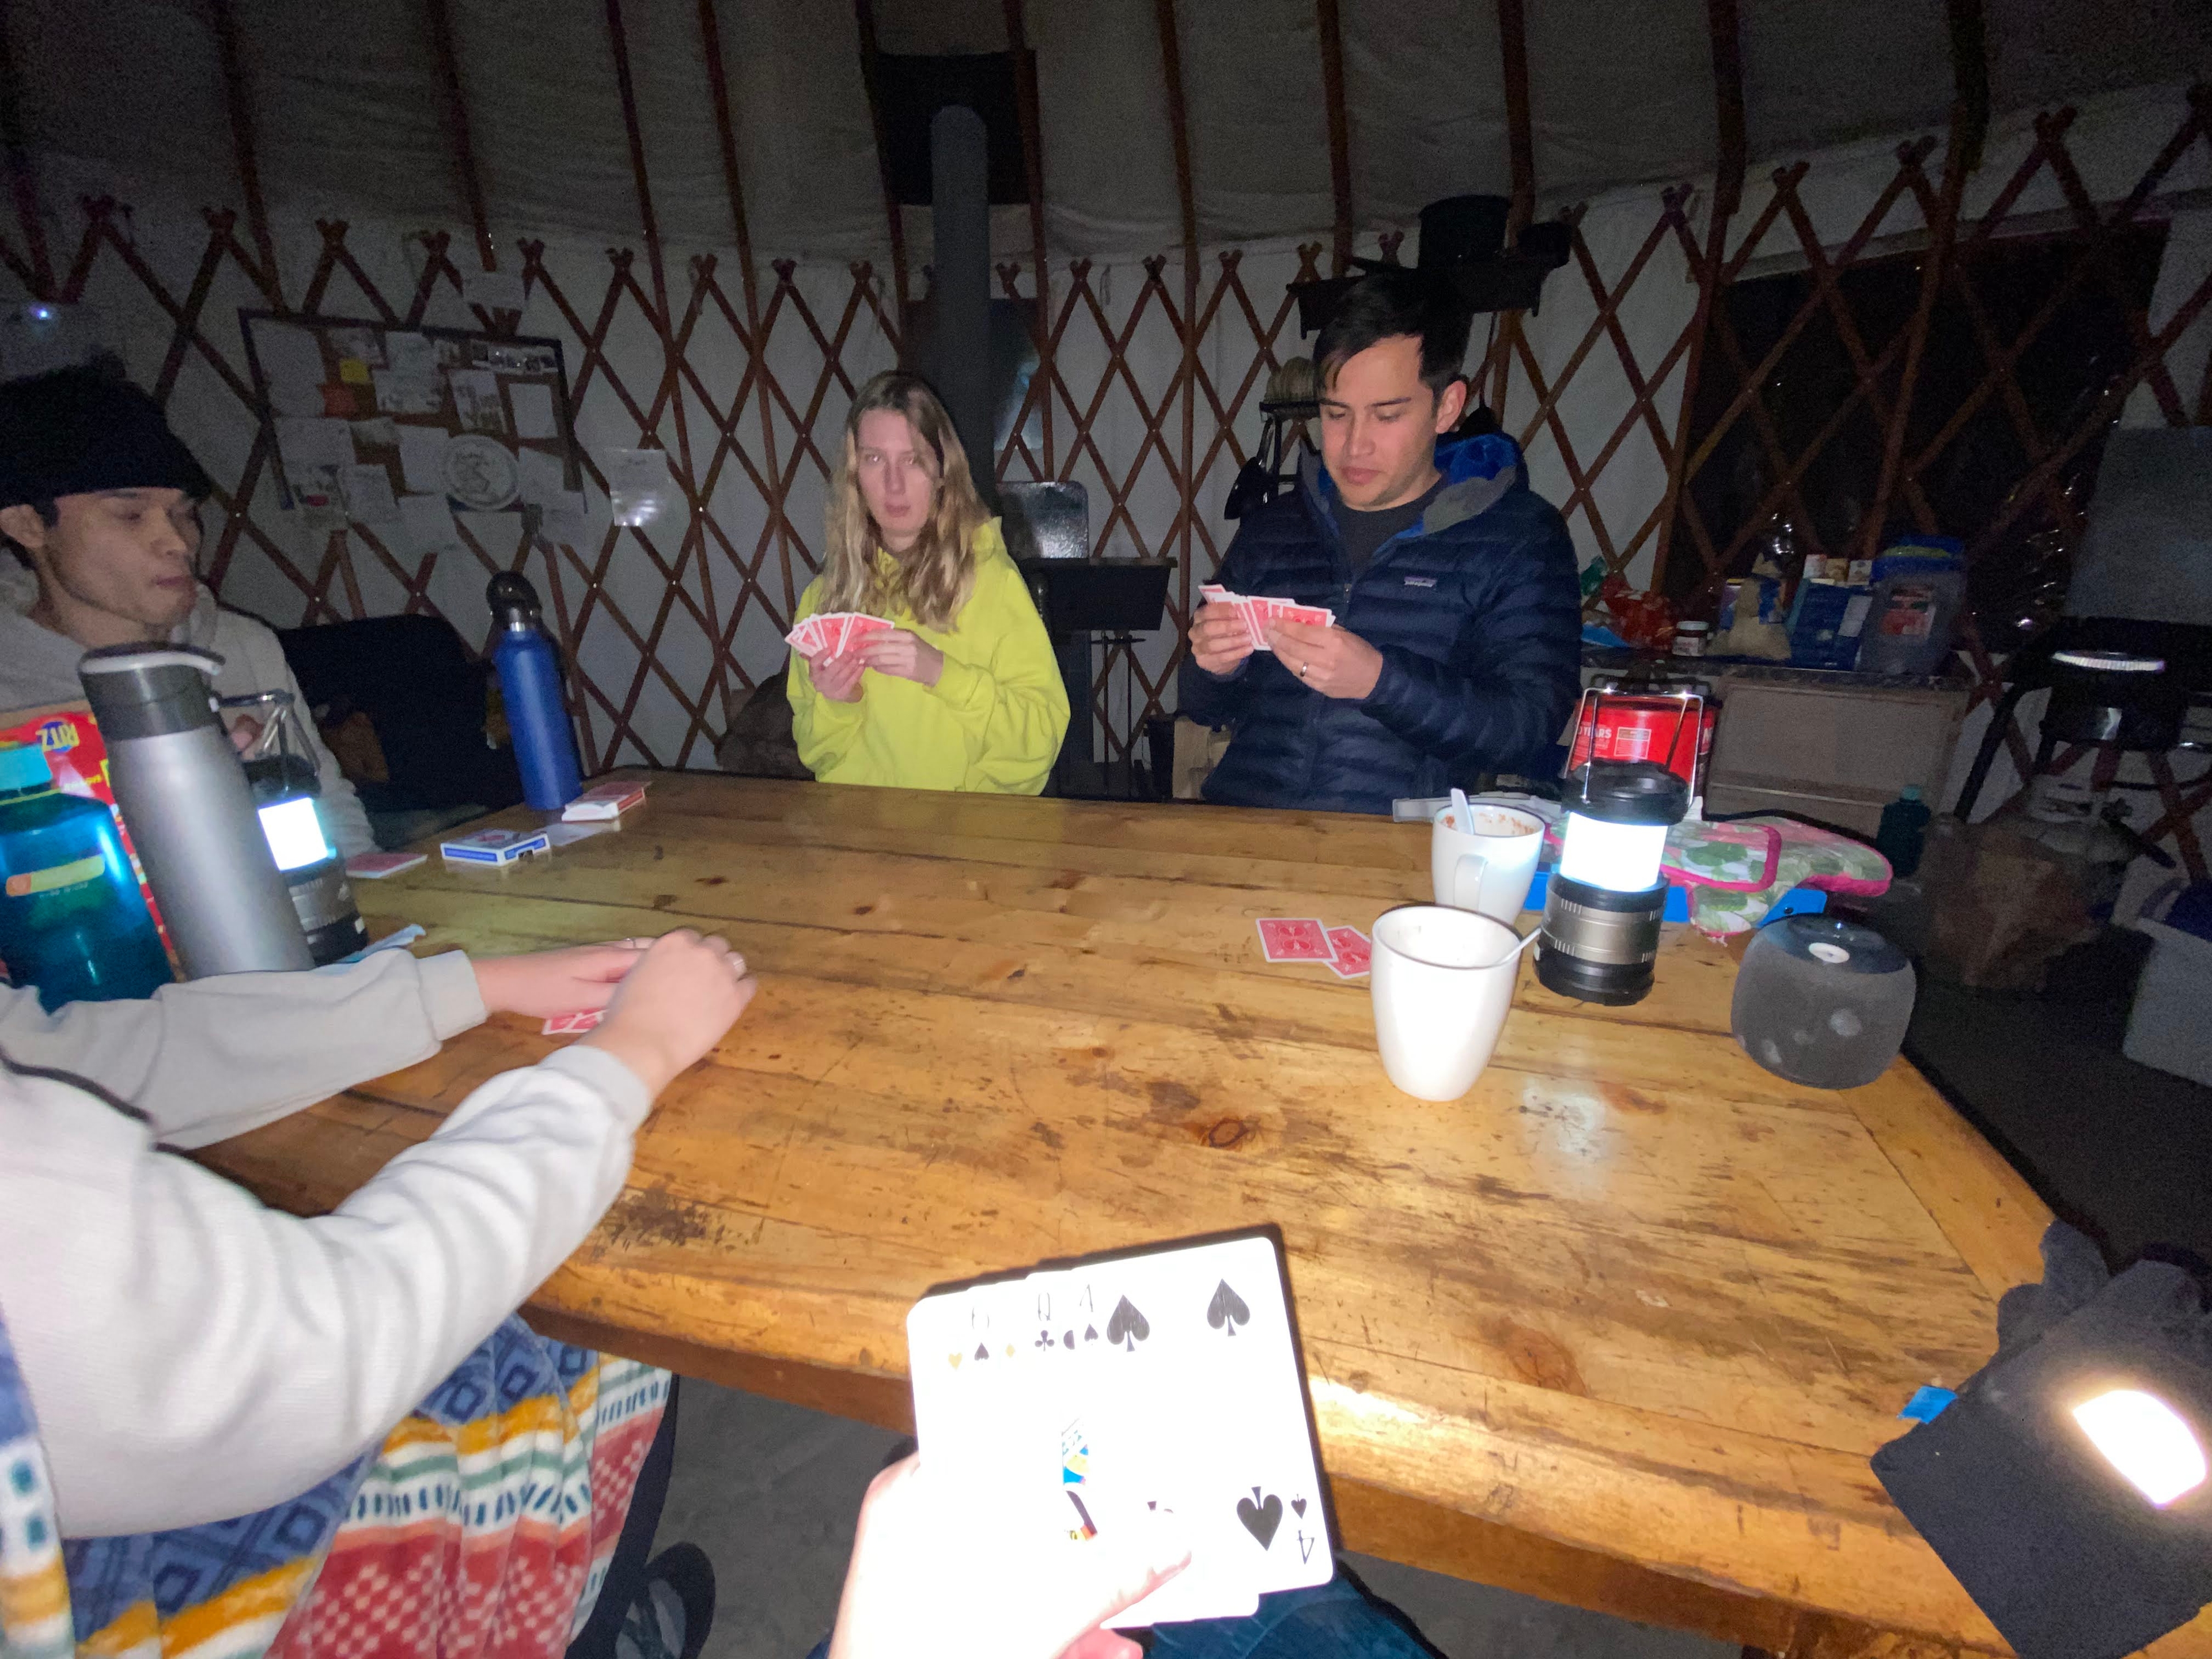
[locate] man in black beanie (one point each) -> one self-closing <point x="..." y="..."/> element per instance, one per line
<point x="100" y="500"/>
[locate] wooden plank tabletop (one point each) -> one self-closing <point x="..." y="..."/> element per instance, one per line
<point x="1622" y="1327"/>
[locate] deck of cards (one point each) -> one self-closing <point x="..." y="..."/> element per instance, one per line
<point x="1076" y="1404"/>
<point x="575" y="1024"/>
<point x="494" y="847"/>
<point x="834" y="633"/>
<point x="603" y="800"/>
<point x="1345" y="951"/>
<point x="1258" y="615"/>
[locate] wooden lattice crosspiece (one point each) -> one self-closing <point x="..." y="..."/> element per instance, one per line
<point x="1227" y="303"/>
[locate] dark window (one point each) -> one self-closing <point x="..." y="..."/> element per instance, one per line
<point x="1977" y="426"/>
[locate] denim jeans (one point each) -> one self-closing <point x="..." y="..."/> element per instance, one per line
<point x="1336" y="1620"/>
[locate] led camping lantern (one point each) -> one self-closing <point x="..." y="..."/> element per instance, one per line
<point x="2065" y="1485"/>
<point x="1607" y="899"/>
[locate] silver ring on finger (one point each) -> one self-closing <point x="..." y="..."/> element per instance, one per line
<point x="1304" y="669"/>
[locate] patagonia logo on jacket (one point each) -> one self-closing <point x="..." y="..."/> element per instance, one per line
<point x="1420" y="581"/>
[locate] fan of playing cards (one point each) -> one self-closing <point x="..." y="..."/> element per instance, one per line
<point x="1345" y="951"/>
<point x="1078" y="1401"/>
<point x="834" y="633"/>
<point x="1259" y="614"/>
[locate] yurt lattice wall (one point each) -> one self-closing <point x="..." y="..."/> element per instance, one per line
<point x="1147" y="389"/>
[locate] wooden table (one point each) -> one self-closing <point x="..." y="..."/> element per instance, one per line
<point x="1621" y="1327"/>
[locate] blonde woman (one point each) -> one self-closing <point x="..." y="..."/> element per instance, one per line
<point x="962" y="692"/>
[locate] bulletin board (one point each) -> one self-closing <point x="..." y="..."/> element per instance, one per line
<point x="395" y="429"/>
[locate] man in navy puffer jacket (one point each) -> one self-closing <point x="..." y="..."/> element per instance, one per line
<point x="1458" y="644"/>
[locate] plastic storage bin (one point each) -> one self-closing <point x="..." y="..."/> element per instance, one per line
<point x="2166" y="1025"/>
<point x="1919" y="589"/>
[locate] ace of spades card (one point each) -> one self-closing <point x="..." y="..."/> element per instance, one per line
<point x="1161" y="1381"/>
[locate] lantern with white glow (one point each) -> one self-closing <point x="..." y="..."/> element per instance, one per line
<point x="1607" y="899"/>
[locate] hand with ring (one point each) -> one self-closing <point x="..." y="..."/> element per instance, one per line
<point x="1333" y="662"/>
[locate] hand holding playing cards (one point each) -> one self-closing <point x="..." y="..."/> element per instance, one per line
<point x="837" y="678"/>
<point x="928" y="1579"/>
<point x="1333" y="662"/>
<point x="1218" y="638"/>
<point x="550" y="982"/>
<point x="673" y="1006"/>
<point x="903" y="654"/>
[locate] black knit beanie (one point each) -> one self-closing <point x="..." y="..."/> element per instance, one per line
<point x="73" y="431"/>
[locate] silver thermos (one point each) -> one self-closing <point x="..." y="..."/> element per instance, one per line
<point x="185" y="799"/>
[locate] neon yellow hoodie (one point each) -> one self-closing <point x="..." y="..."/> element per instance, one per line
<point x="994" y="720"/>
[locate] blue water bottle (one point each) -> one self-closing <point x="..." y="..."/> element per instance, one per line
<point x="529" y="684"/>
<point x="72" y="920"/>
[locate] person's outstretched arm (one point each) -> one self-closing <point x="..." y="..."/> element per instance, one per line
<point x="216" y="1057"/>
<point x="193" y="1355"/>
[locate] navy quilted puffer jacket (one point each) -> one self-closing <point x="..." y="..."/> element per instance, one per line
<point x="1477" y="612"/>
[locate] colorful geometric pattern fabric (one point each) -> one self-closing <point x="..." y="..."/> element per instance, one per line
<point x="481" y="1530"/>
<point x="35" y="1594"/>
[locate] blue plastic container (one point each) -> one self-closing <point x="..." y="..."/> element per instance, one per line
<point x="529" y="684"/>
<point x="73" y="921"/>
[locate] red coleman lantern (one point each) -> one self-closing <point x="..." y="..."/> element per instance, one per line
<point x="1674" y="728"/>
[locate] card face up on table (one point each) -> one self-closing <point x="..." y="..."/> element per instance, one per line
<point x="1078" y="1400"/>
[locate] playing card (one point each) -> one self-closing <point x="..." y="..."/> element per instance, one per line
<point x="1085" y="1401"/>
<point x="575" y="1024"/>
<point x="1311" y="615"/>
<point x="861" y="625"/>
<point x="1198" y="1352"/>
<point x="1287" y="939"/>
<point x="1354" y="952"/>
<point x="374" y="867"/>
<point x="1254" y="627"/>
<point x="798" y="638"/>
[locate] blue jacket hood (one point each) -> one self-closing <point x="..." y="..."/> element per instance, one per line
<point x="1478" y="472"/>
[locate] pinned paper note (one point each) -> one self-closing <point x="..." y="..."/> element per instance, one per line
<point x="427" y="526"/>
<point x="401" y="392"/>
<point x="541" y="478"/>
<point x="314" y="443"/>
<point x="639" y="490"/>
<point x="476" y="400"/>
<point x="353" y="371"/>
<point x="567" y="520"/>
<point x="381" y="433"/>
<point x="409" y="353"/>
<point x="533" y="410"/>
<point x="368" y="494"/>
<point x="365" y="344"/>
<point x="421" y="449"/>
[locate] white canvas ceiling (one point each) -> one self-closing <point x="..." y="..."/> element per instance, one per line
<point x="348" y="105"/>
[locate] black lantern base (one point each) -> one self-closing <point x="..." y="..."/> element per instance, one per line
<point x="1599" y="945"/>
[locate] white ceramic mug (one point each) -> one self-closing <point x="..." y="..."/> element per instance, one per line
<point x="1442" y="980"/>
<point x="1487" y="863"/>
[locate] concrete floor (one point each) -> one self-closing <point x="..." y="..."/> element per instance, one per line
<point x="769" y="1491"/>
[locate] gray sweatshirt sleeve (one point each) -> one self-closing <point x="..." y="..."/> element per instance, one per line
<point x="214" y="1058"/>
<point x="193" y="1355"/>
